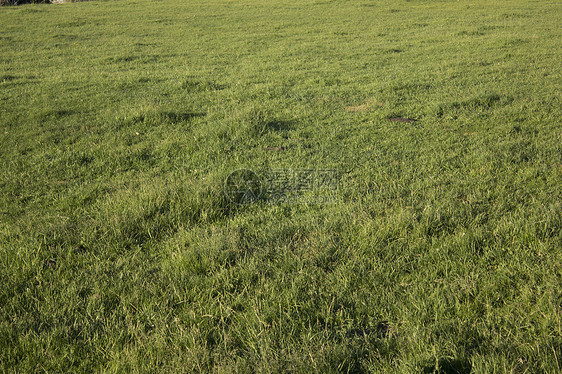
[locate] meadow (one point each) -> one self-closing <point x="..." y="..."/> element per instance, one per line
<point x="439" y="250"/>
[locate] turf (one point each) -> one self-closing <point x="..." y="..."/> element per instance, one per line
<point x="439" y="250"/>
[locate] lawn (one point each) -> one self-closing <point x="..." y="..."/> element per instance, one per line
<point x="302" y="186"/>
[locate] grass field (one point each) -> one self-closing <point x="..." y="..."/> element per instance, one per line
<point x="439" y="250"/>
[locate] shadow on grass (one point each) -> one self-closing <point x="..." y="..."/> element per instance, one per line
<point x="181" y="116"/>
<point x="278" y="126"/>
<point x="450" y="366"/>
<point x="197" y="85"/>
<point x="55" y="114"/>
<point x="261" y="127"/>
<point x="477" y="104"/>
<point x="156" y="118"/>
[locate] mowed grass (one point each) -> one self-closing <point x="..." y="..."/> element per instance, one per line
<point x="440" y="252"/>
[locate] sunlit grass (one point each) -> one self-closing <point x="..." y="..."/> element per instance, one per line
<point x="439" y="251"/>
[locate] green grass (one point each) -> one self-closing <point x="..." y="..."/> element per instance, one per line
<point x="441" y="250"/>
